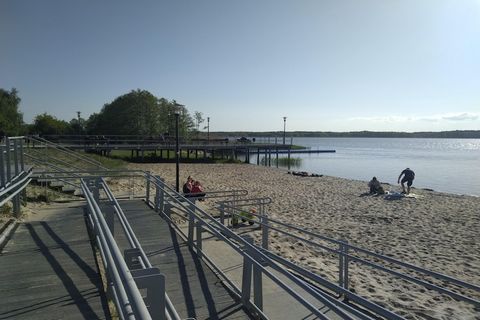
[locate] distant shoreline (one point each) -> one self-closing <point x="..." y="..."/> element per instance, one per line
<point x="456" y="134"/>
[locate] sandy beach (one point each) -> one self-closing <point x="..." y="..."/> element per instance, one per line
<point x="437" y="231"/>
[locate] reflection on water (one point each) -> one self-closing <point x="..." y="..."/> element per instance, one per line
<point x="448" y="165"/>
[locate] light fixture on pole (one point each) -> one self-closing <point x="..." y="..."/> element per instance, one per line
<point x="177" y="150"/>
<point x="208" y="130"/>
<point x="284" y="126"/>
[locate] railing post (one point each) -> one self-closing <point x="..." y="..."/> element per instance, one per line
<point x="246" y="275"/>
<point x="161" y="194"/>
<point x="22" y="161"/>
<point x="222" y="213"/>
<point x="2" y="170"/>
<point x="15" y="157"/>
<point x="191" y="222"/>
<point x="131" y="257"/>
<point x="154" y="281"/>
<point x="343" y="264"/>
<point x="167" y="210"/>
<point x="264" y="226"/>
<point x="16" y="205"/>
<point x="96" y="190"/>
<point x="147" y="192"/>
<point x="7" y="159"/>
<point x="345" y="261"/>
<point x="110" y="217"/>
<point x="199" y="238"/>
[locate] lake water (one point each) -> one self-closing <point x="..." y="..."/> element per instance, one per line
<point x="447" y="165"/>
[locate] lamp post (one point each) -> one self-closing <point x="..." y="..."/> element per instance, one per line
<point x="177" y="154"/>
<point x="208" y="130"/>
<point x="177" y="150"/>
<point x="284" y="126"/>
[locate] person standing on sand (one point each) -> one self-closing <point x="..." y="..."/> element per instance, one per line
<point x="408" y="176"/>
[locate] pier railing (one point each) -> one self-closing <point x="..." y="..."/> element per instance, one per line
<point x="348" y="254"/>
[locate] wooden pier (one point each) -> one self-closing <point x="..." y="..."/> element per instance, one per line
<point x="148" y="150"/>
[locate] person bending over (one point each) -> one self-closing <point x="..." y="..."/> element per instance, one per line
<point x="408" y="176"/>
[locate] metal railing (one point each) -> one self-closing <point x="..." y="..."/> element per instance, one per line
<point x="125" y="276"/>
<point x="348" y="254"/>
<point x="256" y="263"/>
<point x="14" y="176"/>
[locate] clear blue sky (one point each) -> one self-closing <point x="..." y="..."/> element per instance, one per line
<point x="339" y="65"/>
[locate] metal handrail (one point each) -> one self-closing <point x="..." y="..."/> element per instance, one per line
<point x="134" y="243"/>
<point x="371" y="254"/>
<point x="130" y="300"/>
<point x="67" y="151"/>
<point x="256" y="256"/>
<point x="13" y="189"/>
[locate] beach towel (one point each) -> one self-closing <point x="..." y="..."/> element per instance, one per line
<point x="395" y="195"/>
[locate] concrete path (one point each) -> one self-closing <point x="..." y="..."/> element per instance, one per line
<point x="48" y="271"/>
<point x="193" y="288"/>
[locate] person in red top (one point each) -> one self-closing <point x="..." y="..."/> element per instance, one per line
<point x="198" y="190"/>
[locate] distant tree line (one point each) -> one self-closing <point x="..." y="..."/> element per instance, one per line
<point x="141" y="113"/>
<point x="136" y="113"/>
<point x="472" y="134"/>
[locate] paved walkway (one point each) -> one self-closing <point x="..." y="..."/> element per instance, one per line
<point x="48" y="271"/>
<point x="193" y="288"/>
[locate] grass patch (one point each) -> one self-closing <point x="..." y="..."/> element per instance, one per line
<point x="114" y="163"/>
<point x="283" y="161"/>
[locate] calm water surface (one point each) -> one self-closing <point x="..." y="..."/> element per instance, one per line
<point x="447" y="165"/>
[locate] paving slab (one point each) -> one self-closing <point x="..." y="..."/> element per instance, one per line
<point x="48" y="270"/>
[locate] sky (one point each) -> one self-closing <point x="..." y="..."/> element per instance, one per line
<point x="326" y="65"/>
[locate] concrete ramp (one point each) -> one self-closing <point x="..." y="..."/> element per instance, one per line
<point x="48" y="270"/>
<point x="194" y="289"/>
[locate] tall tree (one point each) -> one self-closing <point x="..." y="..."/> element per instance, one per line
<point x="198" y="116"/>
<point x="11" y="120"/>
<point x="140" y="113"/>
<point x="47" y="124"/>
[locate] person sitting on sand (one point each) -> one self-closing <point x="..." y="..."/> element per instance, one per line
<point x="375" y="186"/>
<point x="408" y="176"/>
<point x="198" y="191"/>
<point x="187" y="187"/>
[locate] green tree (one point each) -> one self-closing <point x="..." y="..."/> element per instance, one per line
<point x="45" y="124"/>
<point x="140" y="113"/>
<point x="11" y="120"/>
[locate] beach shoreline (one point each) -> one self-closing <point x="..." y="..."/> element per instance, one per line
<point x="434" y="230"/>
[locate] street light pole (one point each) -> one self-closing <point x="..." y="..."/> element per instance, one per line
<point x="177" y="154"/>
<point x="178" y="107"/>
<point x="208" y="130"/>
<point x="284" y="126"/>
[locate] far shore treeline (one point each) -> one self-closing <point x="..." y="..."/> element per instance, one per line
<point x="136" y="113"/>
<point x="141" y="113"/>
<point x="456" y="134"/>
